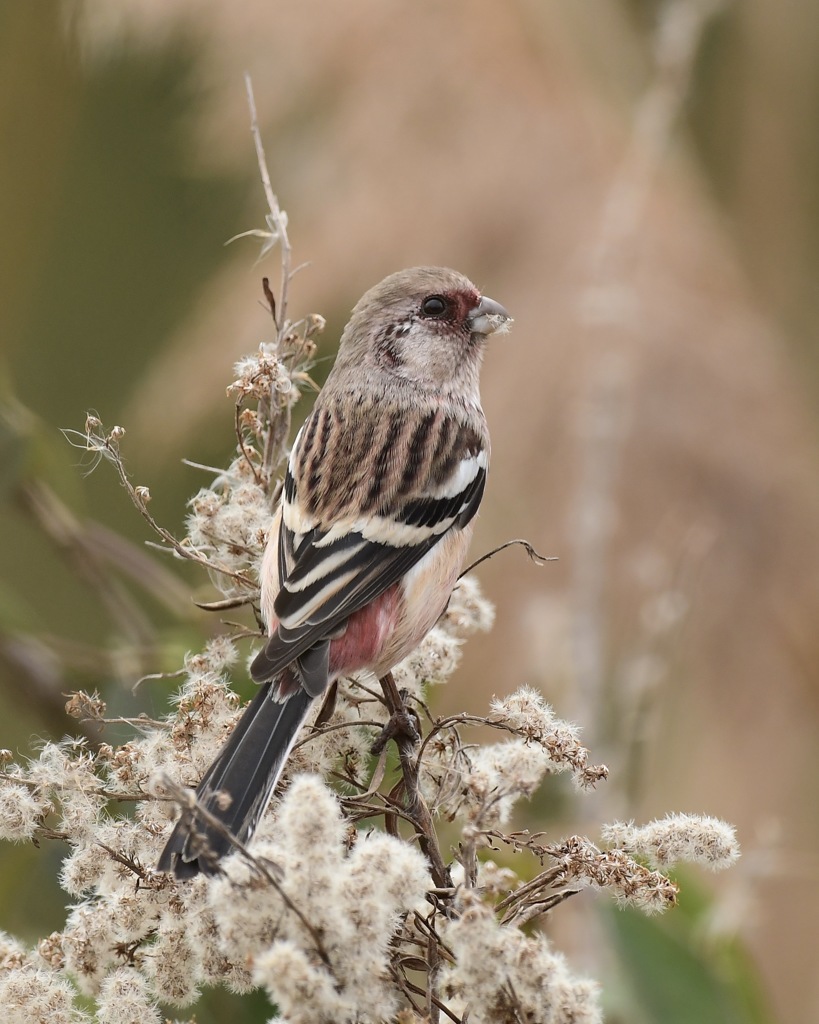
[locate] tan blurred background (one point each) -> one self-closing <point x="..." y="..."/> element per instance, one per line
<point x="639" y="184"/>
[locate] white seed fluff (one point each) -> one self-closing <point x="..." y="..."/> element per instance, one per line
<point x="20" y="812"/>
<point x="125" y="999"/>
<point x="677" y="838"/>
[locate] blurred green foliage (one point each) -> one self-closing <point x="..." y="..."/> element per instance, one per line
<point x="111" y="232"/>
<point x="672" y="971"/>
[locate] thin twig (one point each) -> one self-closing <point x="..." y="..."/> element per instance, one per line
<point x="225" y="605"/>
<point x="277" y="219"/>
<point x="139" y="722"/>
<point x="403" y="984"/>
<point x="107" y="446"/>
<point x="453" y="721"/>
<point x="240" y="439"/>
<point x="318" y="733"/>
<point x="539" y="882"/>
<point x="131" y="863"/>
<point x="538" y="559"/>
<point x="434" y="999"/>
<point x="427" y="927"/>
<point x="523" y="915"/>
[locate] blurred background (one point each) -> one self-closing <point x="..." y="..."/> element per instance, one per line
<point x="638" y="182"/>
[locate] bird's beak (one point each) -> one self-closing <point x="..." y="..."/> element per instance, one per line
<point x="488" y="317"/>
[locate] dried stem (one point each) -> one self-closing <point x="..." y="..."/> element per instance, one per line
<point x="538" y="559"/>
<point x="277" y="218"/>
<point x="403" y="728"/>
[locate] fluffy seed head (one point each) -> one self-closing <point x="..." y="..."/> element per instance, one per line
<point x="664" y="842"/>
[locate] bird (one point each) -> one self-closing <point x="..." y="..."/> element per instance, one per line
<point x="377" y="508"/>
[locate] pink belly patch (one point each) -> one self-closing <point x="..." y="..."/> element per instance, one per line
<point x="367" y="633"/>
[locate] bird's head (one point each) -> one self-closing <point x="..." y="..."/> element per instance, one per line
<point x="425" y="325"/>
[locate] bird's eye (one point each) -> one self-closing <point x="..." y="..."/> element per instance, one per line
<point x="433" y="305"/>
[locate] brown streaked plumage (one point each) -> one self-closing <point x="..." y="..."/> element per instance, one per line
<point x="364" y="475"/>
<point x="376" y="513"/>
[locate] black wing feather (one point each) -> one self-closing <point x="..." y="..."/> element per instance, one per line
<point x="376" y="566"/>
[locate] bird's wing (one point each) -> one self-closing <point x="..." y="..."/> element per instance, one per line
<point x="329" y="570"/>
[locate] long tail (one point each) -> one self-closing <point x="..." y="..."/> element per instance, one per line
<point x="238" y="785"/>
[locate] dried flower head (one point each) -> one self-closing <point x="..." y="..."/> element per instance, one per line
<point x="21" y="812"/>
<point x="578" y="859"/>
<point x="527" y="714"/>
<point x="501" y="975"/>
<point x="260" y="375"/>
<point x="677" y="838"/>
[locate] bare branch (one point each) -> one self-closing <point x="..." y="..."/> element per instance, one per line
<point x="530" y="551"/>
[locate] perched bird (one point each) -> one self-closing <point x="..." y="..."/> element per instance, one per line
<point x="376" y="512"/>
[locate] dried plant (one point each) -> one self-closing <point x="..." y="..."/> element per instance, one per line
<point x="347" y="906"/>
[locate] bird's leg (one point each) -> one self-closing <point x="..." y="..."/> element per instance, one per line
<point x="328" y="707"/>
<point x="402" y="724"/>
<point x="403" y="727"/>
